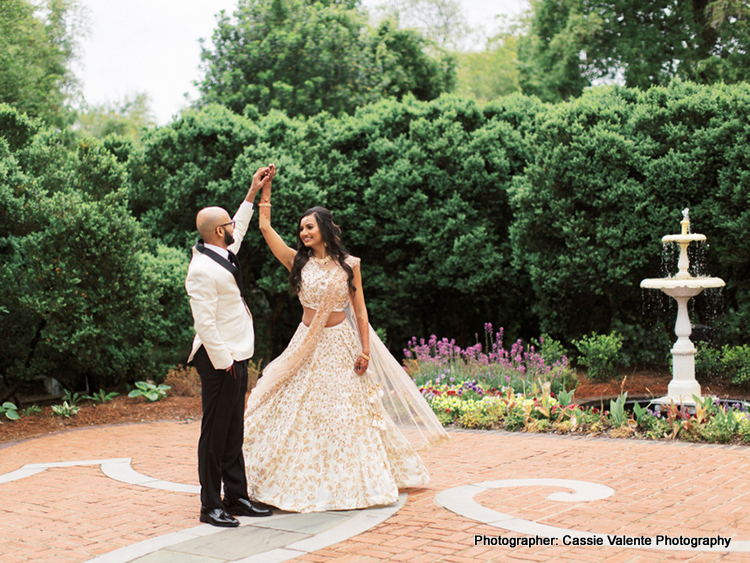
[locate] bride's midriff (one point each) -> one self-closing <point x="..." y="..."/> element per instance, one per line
<point x="335" y="318"/>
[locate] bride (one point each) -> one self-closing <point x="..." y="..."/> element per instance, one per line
<point x="334" y="422"/>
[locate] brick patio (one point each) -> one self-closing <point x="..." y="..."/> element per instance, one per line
<point x="674" y="489"/>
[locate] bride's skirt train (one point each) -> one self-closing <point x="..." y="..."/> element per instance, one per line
<point x="321" y="441"/>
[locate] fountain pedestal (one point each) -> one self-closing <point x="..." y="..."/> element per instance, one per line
<point x="683" y="385"/>
<point x="682" y="287"/>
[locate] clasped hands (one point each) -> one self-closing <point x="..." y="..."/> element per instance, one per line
<point x="261" y="179"/>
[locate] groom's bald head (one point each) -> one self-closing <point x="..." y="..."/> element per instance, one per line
<point x="208" y="219"/>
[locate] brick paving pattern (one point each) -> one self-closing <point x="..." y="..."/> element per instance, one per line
<point x="77" y="513"/>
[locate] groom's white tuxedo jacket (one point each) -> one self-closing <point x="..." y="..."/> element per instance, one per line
<point x="223" y="323"/>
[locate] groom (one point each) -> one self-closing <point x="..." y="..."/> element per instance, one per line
<point x="223" y="343"/>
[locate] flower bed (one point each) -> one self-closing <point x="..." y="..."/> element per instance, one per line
<point x="532" y="390"/>
<point x="472" y="405"/>
<point x="442" y="361"/>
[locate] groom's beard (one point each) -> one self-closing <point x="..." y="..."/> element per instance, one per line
<point x="228" y="239"/>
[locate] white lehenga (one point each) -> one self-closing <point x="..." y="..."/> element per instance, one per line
<point x="319" y="439"/>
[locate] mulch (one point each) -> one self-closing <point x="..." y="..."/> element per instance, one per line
<point x="645" y="382"/>
<point x="120" y="410"/>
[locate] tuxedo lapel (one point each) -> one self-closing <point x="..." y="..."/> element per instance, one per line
<point x="223" y="262"/>
<point x="238" y="269"/>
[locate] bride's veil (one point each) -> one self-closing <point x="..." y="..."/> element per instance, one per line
<point x="401" y="398"/>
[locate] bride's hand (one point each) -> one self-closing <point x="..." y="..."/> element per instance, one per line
<point x="266" y="179"/>
<point x="360" y="366"/>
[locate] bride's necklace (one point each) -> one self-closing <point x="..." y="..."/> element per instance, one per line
<point x="321" y="261"/>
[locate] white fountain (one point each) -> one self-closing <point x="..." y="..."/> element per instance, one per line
<point x="682" y="287"/>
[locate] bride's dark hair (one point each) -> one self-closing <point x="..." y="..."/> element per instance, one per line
<point x="330" y="232"/>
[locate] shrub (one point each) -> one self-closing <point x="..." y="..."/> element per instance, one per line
<point x="601" y="353"/>
<point x="736" y="363"/>
<point x="550" y="349"/>
<point x="184" y="381"/>
<point x="396" y="165"/>
<point x="599" y="191"/>
<point x="707" y="361"/>
<point x="89" y="294"/>
<point x="730" y="363"/>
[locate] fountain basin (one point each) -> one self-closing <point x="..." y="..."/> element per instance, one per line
<point x="686" y="238"/>
<point x="682" y="287"/>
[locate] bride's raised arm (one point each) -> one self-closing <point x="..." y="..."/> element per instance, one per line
<point x="284" y="253"/>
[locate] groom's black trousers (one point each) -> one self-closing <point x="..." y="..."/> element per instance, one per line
<point x="220" y="445"/>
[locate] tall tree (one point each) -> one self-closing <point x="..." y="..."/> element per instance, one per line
<point x="728" y="34"/>
<point x="126" y="118"/>
<point x="403" y="66"/>
<point x="303" y="58"/>
<point x="572" y="44"/>
<point x="37" y="46"/>
<point x="441" y="21"/>
<point x="490" y="73"/>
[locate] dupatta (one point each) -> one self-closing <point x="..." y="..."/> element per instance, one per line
<point x="400" y="397"/>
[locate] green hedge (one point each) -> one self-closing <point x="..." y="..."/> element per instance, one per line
<point x="538" y="218"/>
<point x="535" y="217"/>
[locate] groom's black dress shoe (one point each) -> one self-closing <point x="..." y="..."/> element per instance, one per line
<point x="244" y="507"/>
<point x="218" y="517"/>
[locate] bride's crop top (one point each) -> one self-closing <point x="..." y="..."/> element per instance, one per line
<point x="315" y="281"/>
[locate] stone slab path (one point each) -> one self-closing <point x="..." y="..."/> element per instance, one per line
<point x="129" y="493"/>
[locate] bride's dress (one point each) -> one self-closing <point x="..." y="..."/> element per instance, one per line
<point x="320" y="439"/>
